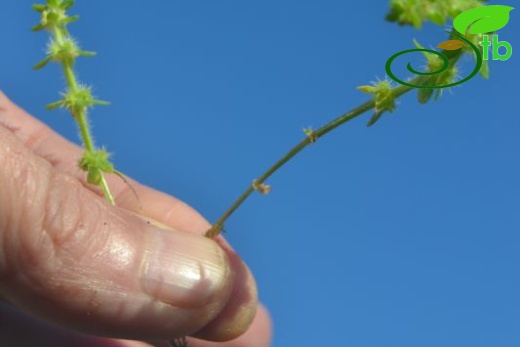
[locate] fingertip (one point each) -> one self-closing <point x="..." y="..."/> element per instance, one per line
<point x="264" y="329"/>
<point x="239" y="313"/>
<point x="259" y="334"/>
<point x="186" y="270"/>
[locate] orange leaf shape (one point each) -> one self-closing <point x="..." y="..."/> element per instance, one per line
<point x="451" y="45"/>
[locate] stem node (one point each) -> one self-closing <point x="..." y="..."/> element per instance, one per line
<point x="311" y="135"/>
<point x="260" y="187"/>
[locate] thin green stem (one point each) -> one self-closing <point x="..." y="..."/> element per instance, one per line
<point x="312" y="136"/>
<point x="70" y="77"/>
<point x="399" y="91"/>
<point x="88" y="142"/>
<point x="72" y="83"/>
<point x="217" y="227"/>
<point x="106" y="191"/>
<point x="79" y="113"/>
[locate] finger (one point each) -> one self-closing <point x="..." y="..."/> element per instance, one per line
<point x="158" y="206"/>
<point x="39" y="333"/>
<point x="238" y="315"/>
<point x="18" y="329"/>
<point x="75" y="260"/>
<point x="258" y="335"/>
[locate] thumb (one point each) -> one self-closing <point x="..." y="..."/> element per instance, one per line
<point x="68" y="257"/>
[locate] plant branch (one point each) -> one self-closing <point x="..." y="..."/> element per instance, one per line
<point x="313" y="136"/>
<point x="78" y="99"/>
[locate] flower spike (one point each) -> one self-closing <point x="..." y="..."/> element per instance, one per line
<point x="77" y="99"/>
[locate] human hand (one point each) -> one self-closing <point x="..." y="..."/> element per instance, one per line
<point x="140" y="270"/>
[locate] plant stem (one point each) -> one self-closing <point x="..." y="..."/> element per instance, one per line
<point x="88" y="142"/>
<point x="312" y="136"/>
<point x="81" y="114"/>
<point x="216" y="229"/>
<point x="72" y="83"/>
<point x="106" y="190"/>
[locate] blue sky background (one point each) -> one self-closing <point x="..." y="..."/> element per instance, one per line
<point x="405" y="234"/>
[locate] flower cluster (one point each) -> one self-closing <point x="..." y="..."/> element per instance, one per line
<point x="476" y="39"/>
<point x="95" y="163"/>
<point x="448" y="76"/>
<point x="54" y="15"/>
<point x="64" y="51"/>
<point x="416" y="12"/>
<point x="77" y="100"/>
<point x="384" y="98"/>
<point x="440" y="72"/>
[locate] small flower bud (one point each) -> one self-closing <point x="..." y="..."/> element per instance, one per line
<point x="261" y="187"/>
<point x="384" y="98"/>
<point x="64" y="51"/>
<point x="95" y="163"/>
<point x="310" y="134"/>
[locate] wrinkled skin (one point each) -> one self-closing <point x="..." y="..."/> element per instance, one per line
<point x="76" y="271"/>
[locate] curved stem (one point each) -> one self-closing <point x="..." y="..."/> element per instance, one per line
<point x="217" y="227"/>
<point x="312" y="136"/>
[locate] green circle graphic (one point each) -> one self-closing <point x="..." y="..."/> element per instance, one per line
<point x="445" y="66"/>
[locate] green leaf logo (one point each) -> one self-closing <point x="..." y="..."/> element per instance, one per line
<point x="482" y="19"/>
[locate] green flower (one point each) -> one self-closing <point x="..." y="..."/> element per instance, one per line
<point x="384" y="98"/>
<point x="77" y="101"/>
<point x="417" y="12"/>
<point x="95" y="163"/>
<point x="64" y="51"/>
<point x="53" y="14"/>
<point x="448" y="76"/>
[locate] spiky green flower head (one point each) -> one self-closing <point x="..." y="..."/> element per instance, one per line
<point x="95" y="164"/>
<point x="446" y="77"/>
<point x="54" y="14"/>
<point x="64" y="51"/>
<point x="384" y="98"/>
<point x="417" y="12"/>
<point x="77" y="100"/>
